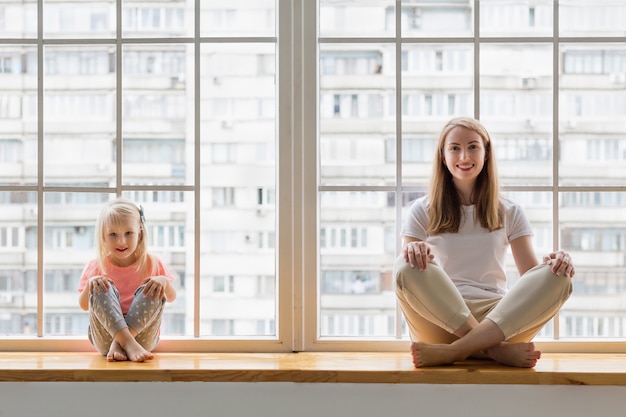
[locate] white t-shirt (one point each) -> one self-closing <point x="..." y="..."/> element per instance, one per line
<point x="474" y="257"/>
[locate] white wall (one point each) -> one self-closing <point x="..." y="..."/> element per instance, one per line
<point x="181" y="399"/>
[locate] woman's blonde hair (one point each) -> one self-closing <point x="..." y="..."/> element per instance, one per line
<point x="114" y="213"/>
<point x="444" y="212"/>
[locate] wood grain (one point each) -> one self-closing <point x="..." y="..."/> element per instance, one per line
<point x="320" y="367"/>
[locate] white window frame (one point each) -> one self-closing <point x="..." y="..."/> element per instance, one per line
<point x="297" y="191"/>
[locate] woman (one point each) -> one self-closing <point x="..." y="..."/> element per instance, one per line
<point x="450" y="278"/>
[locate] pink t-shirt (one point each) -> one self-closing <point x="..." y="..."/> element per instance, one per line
<point x="126" y="279"/>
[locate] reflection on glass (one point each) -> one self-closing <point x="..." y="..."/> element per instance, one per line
<point x="18" y="268"/>
<point x="238" y="157"/>
<point x="595" y="235"/>
<point x="357" y="247"/>
<point x="357" y="85"/>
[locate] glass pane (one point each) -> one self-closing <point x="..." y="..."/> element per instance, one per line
<point x="170" y="227"/>
<point x="69" y="221"/>
<point x="18" y="263"/>
<point x="516" y="18"/>
<point x="170" y="19"/>
<point x="78" y="20"/>
<point x="357" y="114"/>
<point x="69" y="236"/>
<point x="592" y="109"/>
<point x="516" y="107"/>
<point x="18" y="20"/>
<point x="357" y="18"/>
<point x="79" y="115"/>
<point x="437" y="81"/>
<point x="238" y="18"/>
<point x="238" y="168"/>
<point x="594" y="232"/>
<point x="437" y="18"/>
<point x="18" y="115"/>
<point x="357" y="241"/>
<point x="157" y="114"/>
<point x="592" y="17"/>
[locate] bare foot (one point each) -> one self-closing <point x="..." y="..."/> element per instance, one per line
<point x="116" y="353"/>
<point x="425" y="354"/>
<point x="136" y="352"/>
<point x="521" y="355"/>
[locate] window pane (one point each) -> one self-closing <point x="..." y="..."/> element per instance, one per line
<point x="238" y="127"/>
<point x="592" y="107"/>
<point x="172" y="18"/>
<point x="78" y="20"/>
<point x="356" y="255"/>
<point x="18" y="114"/>
<point x="595" y="234"/>
<point x="437" y="84"/>
<point x="357" y="87"/>
<point x="157" y="114"/>
<point x="79" y="114"/>
<point x="238" y="18"/>
<point x="516" y="106"/>
<point x="592" y="17"/>
<point x="516" y="18"/>
<point x="357" y="18"/>
<point x="437" y="19"/>
<point x="18" y="263"/>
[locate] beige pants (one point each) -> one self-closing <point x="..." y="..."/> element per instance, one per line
<point x="433" y="307"/>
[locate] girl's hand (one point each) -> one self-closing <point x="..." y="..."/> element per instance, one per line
<point x="155" y="287"/>
<point x="561" y="263"/>
<point x="417" y="253"/>
<point x="99" y="284"/>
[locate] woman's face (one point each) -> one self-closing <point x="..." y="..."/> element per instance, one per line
<point x="464" y="154"/>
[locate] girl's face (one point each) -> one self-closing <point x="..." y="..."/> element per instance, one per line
<point x="464" y="155"/>
<point x="121" y="241"/>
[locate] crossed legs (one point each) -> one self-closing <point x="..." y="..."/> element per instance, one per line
<point x="120" y="337"/>
<point x="444" y="330"/>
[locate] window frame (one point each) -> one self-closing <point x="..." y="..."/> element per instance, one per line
<point x="297" y="202"/>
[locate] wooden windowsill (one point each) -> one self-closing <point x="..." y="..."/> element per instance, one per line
<point x="318" y="367"/>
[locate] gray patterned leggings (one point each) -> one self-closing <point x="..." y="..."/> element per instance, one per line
<point x="106" y="318"/>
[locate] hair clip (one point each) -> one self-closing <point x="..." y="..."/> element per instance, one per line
<point x="141" y="215"/>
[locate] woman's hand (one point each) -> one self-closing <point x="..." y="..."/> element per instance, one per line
<point x="417" y="253"/>
<point x="561" y="263"/>
<point x="155" y="287"/>
<point x="98" y="284"/>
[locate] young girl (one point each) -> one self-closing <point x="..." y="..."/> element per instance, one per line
<point x="450" y="277"/>
<point x="125" y="288"/>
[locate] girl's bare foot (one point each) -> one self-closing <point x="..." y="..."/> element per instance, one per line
<point x="521" y="355"/>
<point x="425" y="354"/>
<point x="134" y="351"/>
<point x="116" y="353"/>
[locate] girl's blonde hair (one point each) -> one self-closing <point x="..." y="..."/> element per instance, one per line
<point x="114" y="213"/>
<point x="444" y="212"/>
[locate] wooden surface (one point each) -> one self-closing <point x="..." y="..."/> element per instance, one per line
<point x="325" y="367"/>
